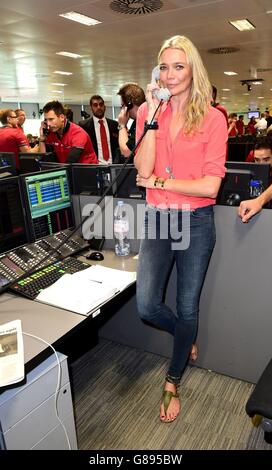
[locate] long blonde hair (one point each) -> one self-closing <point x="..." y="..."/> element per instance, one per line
<point x="201" y="91"/>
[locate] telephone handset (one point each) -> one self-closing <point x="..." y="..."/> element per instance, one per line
<point x="163" y="93"/>
<point x="46" y="129"/>
<point x="129" y="105"/>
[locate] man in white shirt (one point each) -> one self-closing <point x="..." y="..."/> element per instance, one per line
<point x="261" y="124"/>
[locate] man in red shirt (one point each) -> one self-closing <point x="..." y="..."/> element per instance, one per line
<point x="12" y="139"/>
<point x="240" y="126"/>
<point x="70" y="142"/>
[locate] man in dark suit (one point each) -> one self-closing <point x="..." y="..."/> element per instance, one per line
<point x="105" y="151"/>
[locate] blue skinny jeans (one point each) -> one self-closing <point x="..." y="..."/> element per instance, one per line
<point x="158" y="252"/>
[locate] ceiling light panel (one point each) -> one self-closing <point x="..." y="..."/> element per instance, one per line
<point x="61" y="72"/>
<point x="69" y="54"/>
<point x="242" y="25"/>
<point x="79" y="18"/>
<point x="230" y="73"/>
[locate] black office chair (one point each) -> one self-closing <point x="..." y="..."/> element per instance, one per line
<point x="259" y="404"/>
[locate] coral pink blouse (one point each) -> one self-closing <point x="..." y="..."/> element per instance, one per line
<point x="189" y="157"/>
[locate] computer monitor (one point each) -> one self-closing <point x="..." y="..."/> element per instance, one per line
<point x="235" y="187"/>
<point x="8" y="163"/>
<point x="90" y="179"/>
<point x="255" y="114"/>
<point x="53" y="165"/>
<point x="31" y="162"/>
<point x="47" y="202"/>
<point x="259" y="171"/>
<point x="12" y="221"/>
<point x="46" y="165"/>
<point x="125" y="186"/>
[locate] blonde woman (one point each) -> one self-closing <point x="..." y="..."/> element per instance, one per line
<point x="181" y="163"/>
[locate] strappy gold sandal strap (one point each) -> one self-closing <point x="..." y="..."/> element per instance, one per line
<point x="167" y="397"/>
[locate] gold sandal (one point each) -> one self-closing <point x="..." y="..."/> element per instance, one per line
<point x="166" y="398"/>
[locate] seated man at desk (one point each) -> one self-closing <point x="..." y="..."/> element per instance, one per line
<point x="262" y="152"/>
<point x="70" y="142"/>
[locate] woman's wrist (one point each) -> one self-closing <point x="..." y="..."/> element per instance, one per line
<point x="122" y="126"/>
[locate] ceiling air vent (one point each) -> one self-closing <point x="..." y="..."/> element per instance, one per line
<point x="269" y="69"/>
<point x="223" y="50"/>
<point x="134" y="7"/>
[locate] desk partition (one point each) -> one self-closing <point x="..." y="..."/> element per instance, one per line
<point x="234" y="336"/>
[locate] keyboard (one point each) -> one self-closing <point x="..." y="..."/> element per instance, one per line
<point x="32" y="285"/>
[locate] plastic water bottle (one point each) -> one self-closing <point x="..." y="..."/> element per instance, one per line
<point x="255" y="188"/>
<point x="121" y="230"/>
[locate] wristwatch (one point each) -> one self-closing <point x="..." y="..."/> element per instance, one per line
<point x="121" y="126"/>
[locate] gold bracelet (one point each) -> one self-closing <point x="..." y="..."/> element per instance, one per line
<point x="159" y="182"/>
<point x="42" y="140"/>
<point x="156" y="181"/>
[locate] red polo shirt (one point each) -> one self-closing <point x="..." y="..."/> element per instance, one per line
<point x="11" y="139"/>
<point x="73" y="136"/>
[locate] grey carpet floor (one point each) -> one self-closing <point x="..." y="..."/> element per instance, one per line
<point x="117" y="390"/>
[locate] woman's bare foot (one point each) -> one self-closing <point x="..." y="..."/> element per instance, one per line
<point x="194" y="352"/>
<point x="170" y="405"/>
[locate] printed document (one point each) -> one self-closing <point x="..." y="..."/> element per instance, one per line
<point x="11" y="353"/>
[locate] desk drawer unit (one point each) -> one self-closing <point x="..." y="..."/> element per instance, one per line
<point x="27" y="413"/>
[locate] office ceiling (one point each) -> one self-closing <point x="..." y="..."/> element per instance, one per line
<point x="124" y="47"/>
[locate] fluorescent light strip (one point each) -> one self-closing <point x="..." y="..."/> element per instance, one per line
<point x="56" y="91"/>
<point x="61" y="72"/>
<point x="225" y="89"/>
<point x="230" y="73"/>
<point x="69" y="54"/>
<point x="242" y="25"/>
<point x="59" y="84"/>
<point x="79" y="18"/>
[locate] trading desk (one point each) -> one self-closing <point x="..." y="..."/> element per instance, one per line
<point x="27" y="417"/>
<point x="50" y="323"/>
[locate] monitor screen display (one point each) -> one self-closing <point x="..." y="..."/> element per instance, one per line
<point x="235" y="187"/>
<point x="8" y="163"/>
<point x="47" y="165"/>
<point x="90" y="179"/>
<point x="125" y="185"/>
<point x="31" y="162"/>
<point x="48" y="202"/>
<point x="255" y="114"/>
<point x="12" y="221"/>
